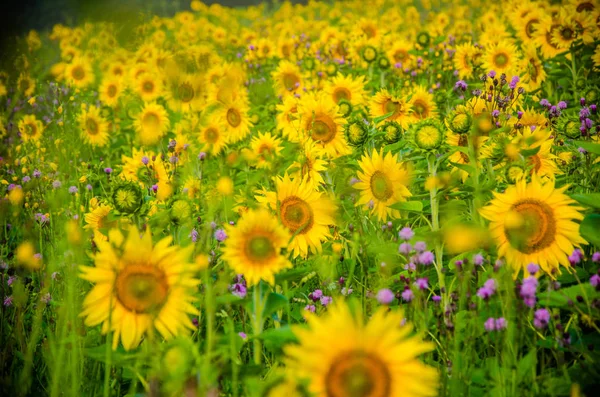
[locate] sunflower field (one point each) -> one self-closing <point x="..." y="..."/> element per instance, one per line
<point x="339" y="199"/>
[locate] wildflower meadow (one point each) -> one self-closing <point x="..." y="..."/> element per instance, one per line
<point x="319" y="198"/>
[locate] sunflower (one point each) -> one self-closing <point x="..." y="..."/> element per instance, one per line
<point x="340" y="355"/>
<point x="25" y="85"/>
<point x="186" y="92"/>
<point x="79" y="72"/>
<point x="148" y="86"/>
<point x="422" y="104"/>
<point x="383" y="182"/>
<point x="534" y="223"/>
<point x="384" y="103"/>
<point x="309" y="164"/>
<point x="98" y="218"/>
<point x="213" y="138"/>
<point x="151" y="123"/>
<point x="254" y="247"/>
<point x="304" y="211"/>
<point x="264" y="147"/>
<point x="234" y="117"/>
<point x="110" y="91"/>
<point x="287" y="79"/>
<point x="93" y="126"/>
<point x="30" y="128"/>
<point x="543" y="37"/>
<point x="139" y="287"/>
<point x="398" y="52"/>
<point x="346" y="88"/>
<point x="501" y="57"/>
<point x="135" y="170"/>
<point x="567" y="31"/>
<point x="321" y="120"/>
<point x="288" y="120"/>
<point x="527" y="24"/>
<point x="465" y="60"/>
<point x="532" y="69"/>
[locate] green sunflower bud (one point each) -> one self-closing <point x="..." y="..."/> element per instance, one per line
<point x="369" y="53"/>
<point x="428" y="135"/>
<point x="460" y="120"/>
<point x="356" y="133"/>
<point x="345" y="107"/>
<point x="392" y="132"/>
<point x="383" y="63"/>
<point x="127" y="197"/>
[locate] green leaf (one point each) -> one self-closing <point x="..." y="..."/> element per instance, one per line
<point x="379" y="119"/>
<point x="590" y="147"/>
<point x="469" y="169"/>
<point x="292" y="274"/>
<point x="590" y="199"/>
<point x="530" y="152"/>
<point x="275" y="338"/>
<point x="562" y="297"/>
<point x="274" y="302"/>
<point x="414" y="206"/>
<point x="527" y="364"/>
<point x="590" y="229"/>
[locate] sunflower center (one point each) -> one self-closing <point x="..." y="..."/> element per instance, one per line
<point x="142" y="288"/>
<point x="391" y="106"/>
<point x="78" y="73"/>
<point x="358" y="374"/>
<point x="567" y="33"/>
<point x="428" y="136"/>
<point x="30" y="129"/>
<point x="148" y="86"/>
<point x="125" y="198"/>
<point x="290" y="80"/>
<point x="259" y="249"/>
<point x="111" y="91"/>
<point x="530" y="28"/>
<point x="534" y="226"/>
<point x="296" y="214"/>
<point x="586" y="6"/>
<point x="185" y="92"/>
<point x="233" y="117"/>
<point x="211" y="135"/>
<point x="381" y="186"/>
<point x="92" y="126"/>
<point x="323" y="129"/>
<point x="420" y="109"/>
<point x="150" y="120"/>
<point x="341" y="93"/>
<point x="400" y="55"/>
<point x="501" y="59"/>
<point x="536" y="162"/>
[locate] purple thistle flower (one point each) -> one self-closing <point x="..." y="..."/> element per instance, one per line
<point x="316" y="295"/>
<point x="562" y="105"/>
<point x="513" y="82"/>
<point x="460" y="85"/>
<point x="436" y="298"/>
<point x="73" y="189"/>
<point x="405" y="248"/>
<point x="8" y="301"/>
<point x="56" y="184"/>
<point x="310" y="308"/>
<point x="37" y="174"/>
<point x="194" y="235"/>
<point x="541" y="318"/>
<point x="385" y="296"/>
<point x="406" y="233"/>
<point x="422" y="283"/>
<point x="490" y="324"/>
<point x="220" y="235"/>
<point x="532" y="268"/>
<point x="596" y="257"/>
<point x="108" y="170"/>
<point x="426" y="258"/>
<point x="501" y="323"/>
<point x="420" y="246"/>
<point x="595" y="281"/>
<point x="478" y="260"/>
<point x="239" y="290"/>
<point x="145" y="160"/>
<point x="326" y="300"/>
<point x="407" y="295"/>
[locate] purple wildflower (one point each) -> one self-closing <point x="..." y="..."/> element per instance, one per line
<point x="220" y="235"/>
<point x="541" y="318"/>
<point x="385" y="296"/>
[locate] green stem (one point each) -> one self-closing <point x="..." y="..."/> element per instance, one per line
<point x="435" y="221"/>
<point x="258" y="324"/>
